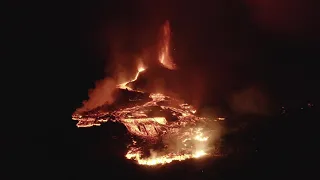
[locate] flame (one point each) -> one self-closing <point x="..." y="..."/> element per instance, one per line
<point x="200" y="137"/>
<point x="164" y="54"/>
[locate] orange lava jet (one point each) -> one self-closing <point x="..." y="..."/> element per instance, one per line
<point x="164" y="53"/>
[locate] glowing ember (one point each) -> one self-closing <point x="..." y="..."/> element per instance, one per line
<point x="163" y="129"/>
<point x="164" y="53"/>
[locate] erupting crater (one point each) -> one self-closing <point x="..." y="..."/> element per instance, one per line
<point x="163" y="129"/>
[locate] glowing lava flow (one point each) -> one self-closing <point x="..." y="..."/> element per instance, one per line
<point x="184" y="136"/>
<point x="163" y="159"/>
<point x="124" y="85"/>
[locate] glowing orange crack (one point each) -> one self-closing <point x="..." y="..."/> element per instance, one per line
<point x="124" y="85"/>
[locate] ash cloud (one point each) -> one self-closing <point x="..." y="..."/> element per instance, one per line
<point x="102" y="94"/>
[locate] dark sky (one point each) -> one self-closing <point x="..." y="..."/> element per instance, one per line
<point x="227" y="44"/>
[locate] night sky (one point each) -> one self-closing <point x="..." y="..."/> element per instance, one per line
<point x="228" y="45"/>
<point x="223" y="46"/>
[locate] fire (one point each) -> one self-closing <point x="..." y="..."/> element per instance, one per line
<point x="156" y="121"/>
<point x="164" y="54"/>
<point x="200" y="137"/>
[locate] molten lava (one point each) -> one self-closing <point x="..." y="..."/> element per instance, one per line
<point x="163" y="129"/>
<point x="124" y="85"/>
<point x="183" y="135"/>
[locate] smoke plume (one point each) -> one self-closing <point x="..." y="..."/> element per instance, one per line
<point x="103" y="93"/>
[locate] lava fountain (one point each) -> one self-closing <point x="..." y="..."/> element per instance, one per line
<point x="164" y="53"/>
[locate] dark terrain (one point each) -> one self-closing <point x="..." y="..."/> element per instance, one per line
<point x="257" y="147"/>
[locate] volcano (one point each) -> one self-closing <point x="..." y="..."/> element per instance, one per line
<point x="163" y="128"/>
